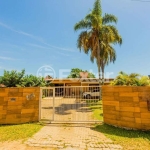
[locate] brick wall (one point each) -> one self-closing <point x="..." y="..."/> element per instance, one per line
<point x="19" y="105"/>
<point x="126" y="106"/>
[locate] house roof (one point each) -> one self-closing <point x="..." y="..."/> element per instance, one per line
<point x="78" y="80"/>
<point x="2" y="85"/>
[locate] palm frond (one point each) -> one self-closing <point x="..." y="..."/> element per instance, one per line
<point x="95" y="20"/>
<point x="109" y="18"/>
<point x="113" y="30"/>
<point x="83" y="24"/>
<point x="97" y="10"/>
<point x="83" y="42"/>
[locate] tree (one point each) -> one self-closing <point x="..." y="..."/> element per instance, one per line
<point x="19" y="79"/>
<point x="132" y="79"/>
<point x="32" y="81"/>
<point x="90" y="74"/>
<point x="12" y="78"/>
<point x="75" y="73"/>
<point x="97" y="36"/>
<point x="108" y="55"/>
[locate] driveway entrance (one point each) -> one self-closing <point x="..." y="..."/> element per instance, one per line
<point x="70" y="104"/>
<point x="71" y="137"/>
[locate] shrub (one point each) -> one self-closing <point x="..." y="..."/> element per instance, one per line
<point x="132" y="79"/>
<point x="19" y="79"/>
<point x="32" y="81"/>
<point x="12" y="78"/>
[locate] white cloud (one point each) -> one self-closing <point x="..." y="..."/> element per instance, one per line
<point x="21" y="32"/>
<point x="6" y="58"/>
<point x="39" y="39"/>
<point x="51" y="47"/>
<point x="5" y="26"/>
<point x="38" y="46"/>
<point x="62" y="54"/>
<point x="60" y="48"/>
<point x="46" y="48"/>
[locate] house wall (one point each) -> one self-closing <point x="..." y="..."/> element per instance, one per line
<point x="79" y="81"/>
<point x="19" y="105"/>
<point x="126" y="106"/>
<point x="72" y="84"/>
<point x="75" y="91"/>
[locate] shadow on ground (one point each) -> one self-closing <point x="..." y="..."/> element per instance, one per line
<point x="62" y="108"/>
<point x="114" y="131"/>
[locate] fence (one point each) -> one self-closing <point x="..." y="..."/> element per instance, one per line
<point x="74" y="92"/>
<point x="125" y="106"/>
<point x="19" y="105"/>
<point x="74" y="104"/>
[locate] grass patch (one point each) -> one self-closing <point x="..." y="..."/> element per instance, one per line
<point x="97" y="109"/>
<point x="98" y="114"/>
<point x="128" y="139"/>
<point x="18" y="132"/>
<point x="93" y="101"/>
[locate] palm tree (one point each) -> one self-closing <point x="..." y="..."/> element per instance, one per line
<point x="97" y="37"/>
<point x="108" y="55"/>
<point x="132" y="79"/>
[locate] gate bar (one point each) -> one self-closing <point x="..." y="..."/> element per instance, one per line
<point x="40" y="99"/>
<point x="53" y="103"/>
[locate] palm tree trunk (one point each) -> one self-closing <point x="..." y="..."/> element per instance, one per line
<point x="103" y="78"/>
<point x="99" y="75"/>
<point x="99" y="67"/>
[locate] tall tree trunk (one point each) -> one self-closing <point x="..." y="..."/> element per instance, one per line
<point x="103" y="77"/>
<point x="99" y="75"/>
<point x="99" y="66"/>
<point x="99" y="63"/>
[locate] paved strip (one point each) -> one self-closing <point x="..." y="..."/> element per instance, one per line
<point x="71" y="138"/>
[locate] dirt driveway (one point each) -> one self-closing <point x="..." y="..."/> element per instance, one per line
<point x="66" y="109"/>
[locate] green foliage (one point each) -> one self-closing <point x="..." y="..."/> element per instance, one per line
<point x="90" y="75"/>
<point x="19" y="79"/>
<point x="132" y="79"/>
<point x="18" y="132"/>
<point x="75" y="73"/>
<point x="128" y="139"/>
<point x="32" y="81"/>
<point x="97" y="114"/>
<point x="12" y="78"/>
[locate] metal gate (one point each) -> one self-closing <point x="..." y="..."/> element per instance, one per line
<point x="71" y="104"/>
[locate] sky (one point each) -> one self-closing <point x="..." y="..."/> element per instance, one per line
<point x="39" y="36"/>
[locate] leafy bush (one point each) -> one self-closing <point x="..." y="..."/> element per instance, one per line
<point x="19" y="79"/>
<point x="132" y="79"/>
<point x="32" y="81"/>
<point x="75" y="73"/>
<point x="12" y="78"/>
